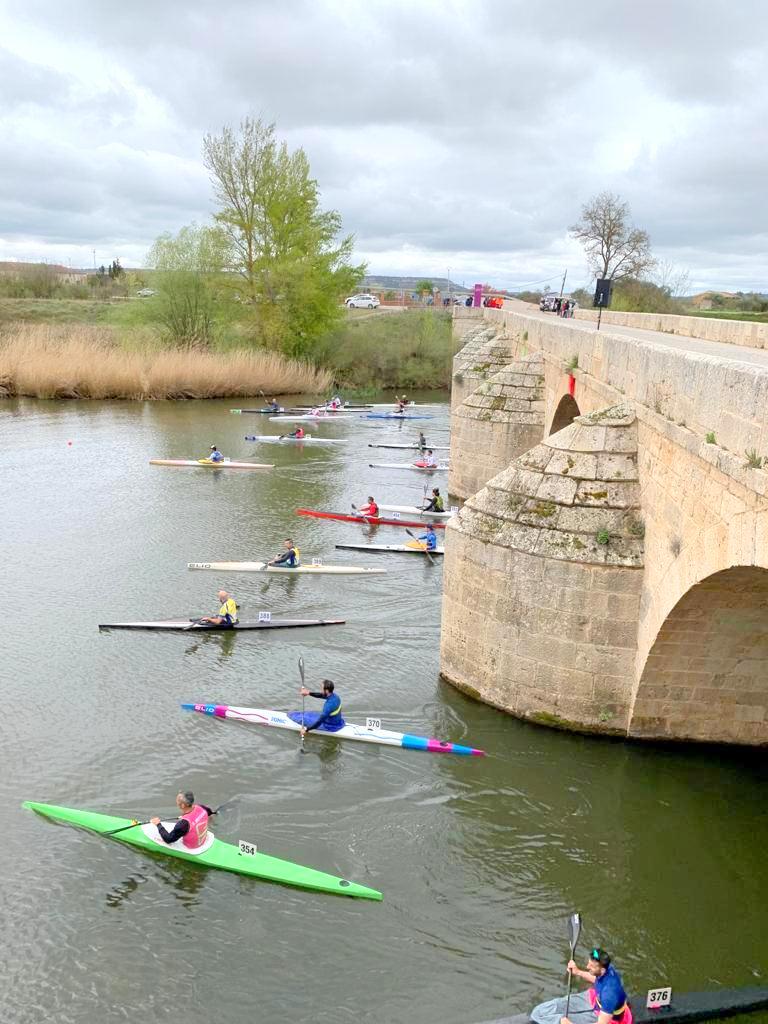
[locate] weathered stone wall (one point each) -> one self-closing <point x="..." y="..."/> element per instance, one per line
<point x="502" y="418"/>
<point x="704" y="512"/>
<point x="464" y="319"/>
<point x="729" y="332"/>
<point x="705" y="677"/>
<point x="542" y="581"/>
<point x="488" y="349"/>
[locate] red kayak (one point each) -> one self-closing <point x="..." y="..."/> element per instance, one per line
<point x="349" y="517"/>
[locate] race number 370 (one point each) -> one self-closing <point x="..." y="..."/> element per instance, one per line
<point x="658" y="997"/>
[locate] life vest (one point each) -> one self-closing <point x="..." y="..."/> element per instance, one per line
<point x="297" y="555"/>
<point x="334" y="720"/>
<point x="299" y="432"/>
<point x="372" y="509"/>
<point x="621" y="1016"/>
<point x="198" y="827"/>
<point x="439" y="505"/>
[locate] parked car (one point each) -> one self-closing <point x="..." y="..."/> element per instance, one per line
<point x="361" y="301"/>
<point x="146" y="292"/>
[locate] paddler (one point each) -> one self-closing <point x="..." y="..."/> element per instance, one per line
<point x="370" y="509"/>
<point x="329" y="719"/>
<point x="298" y="433"/>
<point x="435" y="503"/>
<point x="289" y="557"/>
<point x="227" y="616"/>
<point x="272" y="405"/>
<point x="607" y="996"/>
<point x="215" y="455"/>
<point x="428" y="540"/>
<point x="429" y="460"/>
<point x="422" y="441"/>
<point x="192" y="826"/>
<point x="402" y="403"/>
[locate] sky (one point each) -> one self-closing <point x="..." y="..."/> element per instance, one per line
<point x="459" y="137"/>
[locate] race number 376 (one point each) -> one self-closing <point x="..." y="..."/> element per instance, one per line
<point x="658" y="997"/>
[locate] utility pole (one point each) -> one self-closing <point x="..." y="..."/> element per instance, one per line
<point x="562" y="285"/>
<point x="450" y="287"/>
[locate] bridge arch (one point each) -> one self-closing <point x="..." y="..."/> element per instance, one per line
<point x="706" y="675"/>
<point x="566" y="412"/>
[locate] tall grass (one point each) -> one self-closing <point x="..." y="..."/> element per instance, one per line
<point x="82" y="361"/>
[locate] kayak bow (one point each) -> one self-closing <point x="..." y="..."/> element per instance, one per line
<point x="382" y="737"/>
<point x="213" y="854"/>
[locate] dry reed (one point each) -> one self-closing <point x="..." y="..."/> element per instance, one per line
<point x="81" y="361"/>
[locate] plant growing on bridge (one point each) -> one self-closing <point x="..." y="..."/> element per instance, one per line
<point x="572" y="364"/>
<point x="603" y="536"/>
<point x="615" y="249"/>
<point x="754" y="461"/>
<point x="711" y="437"/>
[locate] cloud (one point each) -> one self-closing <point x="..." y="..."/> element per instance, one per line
<point x="447" y="134"/>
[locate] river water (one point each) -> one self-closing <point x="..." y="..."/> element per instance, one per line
<point x="480" y="860"/>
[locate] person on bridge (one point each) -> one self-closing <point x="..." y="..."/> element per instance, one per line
<point x="606" y="997"/>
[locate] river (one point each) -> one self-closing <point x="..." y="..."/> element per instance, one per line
<point x="480" y="860"/>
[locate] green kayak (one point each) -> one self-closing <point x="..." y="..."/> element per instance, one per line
<point x="214" y="854"/>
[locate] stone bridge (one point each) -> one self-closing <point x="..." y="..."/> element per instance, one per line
<point x="608" y="571"/>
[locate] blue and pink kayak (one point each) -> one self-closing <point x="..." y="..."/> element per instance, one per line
<point x="371" y="732"/>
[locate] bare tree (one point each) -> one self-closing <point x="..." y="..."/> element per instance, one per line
<point x="614" y="248"/>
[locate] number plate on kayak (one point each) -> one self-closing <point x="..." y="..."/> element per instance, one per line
<point x="395" y="515"/>
<point x="658" y="997"/>
<point x="373" y="723"/>
<point x="247" y="849"/>
<point x="454" y="509"/>
<point x="265" y="616"/>
<point x="317" y="561"/>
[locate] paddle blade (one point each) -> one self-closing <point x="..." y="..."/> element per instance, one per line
<point x="574" y="930"/>
<point x="301" y="670"/>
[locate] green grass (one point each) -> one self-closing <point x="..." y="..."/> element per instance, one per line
<point x="391" y="350"/>
<point x="54" y="311"/>
<point x="727" y="314"/>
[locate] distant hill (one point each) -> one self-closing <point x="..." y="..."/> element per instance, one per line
<point x="394" y="283"/>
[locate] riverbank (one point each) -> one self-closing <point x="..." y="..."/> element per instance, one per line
<point x="117" y="350"/>
<point x="86" y="361"/>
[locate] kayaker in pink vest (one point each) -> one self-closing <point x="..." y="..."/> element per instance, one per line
<point x="192" y="826"/>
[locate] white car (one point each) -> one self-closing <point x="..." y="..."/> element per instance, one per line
<point x="146" y="292"/>
<point x="361" y="301"/>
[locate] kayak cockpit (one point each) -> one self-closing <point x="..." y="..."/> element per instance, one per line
<point x="150" y="831"/>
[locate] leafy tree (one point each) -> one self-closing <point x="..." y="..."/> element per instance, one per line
<point x="615" y="249"/>
<point x="424" y="288"/>
<point x="188" y="274"/>
<point x="115" y="271"/>
<point x="284" y="246"/>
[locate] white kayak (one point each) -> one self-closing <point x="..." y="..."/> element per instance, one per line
<point x="415" y="447"/>
<point x="311" y="570"/>
<point x="414" y="510"/>
<point x="441" y="467"/>
<point x="325" y="417"/>
<point x="307" y="439"/>
<point x="208" y="464"/>
<point x="371" y="732"/>
<point x="403" y="549"/>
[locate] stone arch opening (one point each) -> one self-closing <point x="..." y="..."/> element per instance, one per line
<point x="706" y="676"/>
<point x="565" y="414"/>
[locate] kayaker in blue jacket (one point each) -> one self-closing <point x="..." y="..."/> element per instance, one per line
<point x="607" y="995"/>
<point x="215" y="455"/>
<point x="430" y="537"/>
<point x="329" y="719"/>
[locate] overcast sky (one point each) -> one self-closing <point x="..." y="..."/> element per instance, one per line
<point x="461" y="135"/>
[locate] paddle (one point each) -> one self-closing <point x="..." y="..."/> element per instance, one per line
<point x="136" y="824"/>
<point x="431" y="559"/>
<point x="303" y="699"/>
<point x="574" y="930"/>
